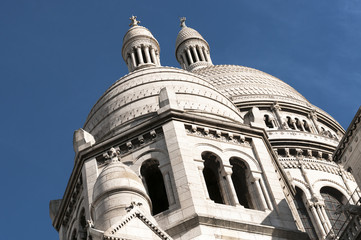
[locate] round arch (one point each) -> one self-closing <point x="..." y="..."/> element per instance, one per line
<point x="329" y="183"/>
<point x="206" y="147"/>
<point x="157" y="154"/>
<point x="249" y="160"/>
<point x="301" y="185"/>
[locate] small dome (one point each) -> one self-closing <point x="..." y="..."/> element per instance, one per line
<point x="115" y="190"/>
<point x="187" y="33"/>
<point x="140" y="48"/>
<point x="117" y="177"/>
<point x="137" y="31"/>
<point x="191" y="50"/>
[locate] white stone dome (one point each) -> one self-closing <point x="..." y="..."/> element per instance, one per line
<point x="117" y="177"/>
<point x="187" y="33"/>
<point x="134" y="99"/>
<point x="137" y="31"/>
<point x="247" y="84"/>
<point x="137" y="36"/>
<point x="115" y="189"/>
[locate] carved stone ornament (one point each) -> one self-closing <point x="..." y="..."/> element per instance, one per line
<point x="113" y="155"/>
<point x="134" y="21"/>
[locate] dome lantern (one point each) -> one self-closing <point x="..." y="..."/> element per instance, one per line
<point x="192" y="51"/>
<point x="140" y="48"/>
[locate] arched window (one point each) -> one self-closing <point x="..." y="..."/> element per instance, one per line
<point x="290" y="123"/>
<point x="305" y="217"/>
<point x="239" y="179"/>
<point x="155" y="185"/>
<point x="299" y="124"/>
<point x="333" y="198"/>
<point x="82" y="225"/>
<point x="212" y="177"/>
<point x="306" y="126"/>
<point x="267" y="121"/>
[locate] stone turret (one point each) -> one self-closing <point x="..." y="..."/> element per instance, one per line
<point x="140" y="48"/>
<point x="115" y="189"/>
<point x="192" y="51"/>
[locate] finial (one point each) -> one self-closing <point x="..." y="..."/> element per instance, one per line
<point x="134" y="21"/>
<point x="183" y="22"/>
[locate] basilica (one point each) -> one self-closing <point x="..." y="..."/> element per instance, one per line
<point x="202" y="152"/>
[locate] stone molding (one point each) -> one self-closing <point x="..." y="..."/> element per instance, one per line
<point x="75" y="196"/>
<point x="218" y="135"/>
<point x="134" y="212"/>
<point x="332" y="181"/>
<point x="218" y="223"/>
<point x="313" y="164"/>
<point x="132" y="145"/>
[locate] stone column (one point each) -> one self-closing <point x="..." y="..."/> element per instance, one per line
<point x="322" y="207"/>
<point x="265" y="194"/>
<point x="320" y="228"/>
<point x="140" y="56"/>
<point x="260" y="193"/>
<point x="200" y="53"/>
<point x="195" y="54"/>
<point x="147" y="56"/>
<point x="133" y="59"/>
<point x="232" y="190"/>
<point x="154" y="57"/>
<point x="200" y="166"/>
<point x="129" y="63"/>
<point x="168" y="185"/>
<point x="185" y="59"/>
<point x="224" y="188"/>
<point x="205" y="55"/>
<point x="190" y="56"/>
<point x="322" y="218"/>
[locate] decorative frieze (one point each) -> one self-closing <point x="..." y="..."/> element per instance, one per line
<point x="313" y="164"/>
<point x="132" y="145"/>
<point x="75" y="196"/>
<point x="216" y="134"/>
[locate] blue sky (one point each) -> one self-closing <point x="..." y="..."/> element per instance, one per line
<point x="58" y="57"/>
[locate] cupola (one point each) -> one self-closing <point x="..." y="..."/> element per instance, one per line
<point x="191" y="50"/>
<point x="116" y="187"/>
<point x="140" y="48"/>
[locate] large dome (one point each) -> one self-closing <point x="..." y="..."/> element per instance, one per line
<point x="134" y="99"/>
<point x="248" y="84"/>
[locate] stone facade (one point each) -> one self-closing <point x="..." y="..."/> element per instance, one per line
<point x="202" y="152"/>
<point x="348" y="154"/>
